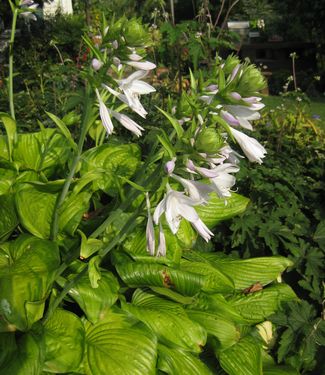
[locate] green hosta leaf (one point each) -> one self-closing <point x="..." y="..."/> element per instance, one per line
<point x="168" y="321"/>
<point x="72" y="210"/>
<point x="8" y="217"/>
<point x="215" y="280"/>
<point x="279" y="370"/>
<point x="120" y="345"/>
<point x="136" y="274"/>
<point x="218" y="210"/>
<point x="63" y="128"/>
<point x="243" y="358"/>
<point x="41" y="151"/>
<point x="223" y="330"/>
<point x="27" y="267"/>
<point x="4" y="153"/>
<point x="112" y="162"/>
<point x="10" y="126"/>
<point x="255" y="307"/>
<point x="96" y="302"/>
<point x="35" y="208"/>
<point x="177" y="361"/>
<point x="28" y="358"/>
<point x="217" y="305"/>
<point x="64" y="337"/>
<point x="245" y="272"/>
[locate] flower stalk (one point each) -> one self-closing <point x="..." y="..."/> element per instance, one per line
<point x="11" y="63"/>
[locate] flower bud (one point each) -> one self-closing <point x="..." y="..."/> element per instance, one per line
<point x="208" y="141"/>
<point x="170" y="166"/>
<point x="96" y="64"/>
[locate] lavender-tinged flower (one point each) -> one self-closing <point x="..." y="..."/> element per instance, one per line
<point x="235" y="95"/>
<point x="229" y="118"/>
<point x="96" y="64"/>
<point x="212" y="88"/>
<point x="242" y="114"/>
<point x="104" y="114"/>
<point x="254" y="151"/>
<point x="161" y="251"/>
<point x="135" y="57"/>
<point x="235" y="72"/>
<point x="198" y="191"/>
<point x="175" y="205"/>
<point x="170" y="166"/>
<point x="150" y="231"/>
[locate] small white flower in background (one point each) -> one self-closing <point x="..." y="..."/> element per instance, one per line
<point x="197" y="190"/>
<point x="150" y="231"/>
<point x="141" y="65"/>
<point x="29" y="5"/>
<point x="176" y="205"/>
<point x="96" y="64"/>
<point x="115" y="44"/>
<point x="254" y="151"/>
<point x="104" y="115"/>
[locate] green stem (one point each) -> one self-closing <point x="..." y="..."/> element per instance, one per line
<point x="11" y="63"/>
<point x="66" y="186"/>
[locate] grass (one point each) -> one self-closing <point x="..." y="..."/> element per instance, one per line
<point x="316" y="106"/>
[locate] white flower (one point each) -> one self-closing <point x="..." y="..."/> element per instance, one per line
<point x="176" y="206"/>
<point x="104" y="114"/>
<point x="150" y="231"/>
<point x="30" y="7"/>
<point x="128" y="123"/>
<point x="254" y="151"/>
<point x="224" y="180"/>
<point x="142" y="65"/>
<point x="162" y="242"/>
<point x="198" y="191"/>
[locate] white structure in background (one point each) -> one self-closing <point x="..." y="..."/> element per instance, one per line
<point x="52" y="7"/>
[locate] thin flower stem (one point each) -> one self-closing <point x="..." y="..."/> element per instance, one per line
<point x="66" y="186"/>
<point x="11" y="63"/>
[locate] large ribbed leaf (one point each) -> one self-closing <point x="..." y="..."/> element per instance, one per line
<point x="255" y="307"/>
<point x="217" y="304"/>
<point x="64" y="337"/>
<point x="41" y="151"/>
<point x="96" y="302"/>
<point x="168" y="321"/>
<point x="174" y="361"/>
<point x="8" y="347"/>
<point x="279" y="370"/>
<point x="112" y="162"/>
<point x="218" y="209"/>
<point x="28" y="357"/>
<point x="136" y="274"/>
<point x="243" y="358"/>
<point x="244" y="272"/>
<point x="11" y="130"/>
<point x="8" y="217"/>
<point x="215" y="280"/>
<point x="120" y="345"/>
<point x="27" y="267"/>
<point x="35" y="206"/>
<point x="223" y="330"/>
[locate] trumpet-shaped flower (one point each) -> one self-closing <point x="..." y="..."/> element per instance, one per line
<point x="30" y="6"/>
<point x="198" y="191"/>
<point x="162" y="242"/>
<point x="176" y="205"/>
<point x="254" y="151"/>
<point x="104" y="114"/>
<point x="142" y="65"/>
<point x="128" y="123"/>
<point x="239" y="115"/>
<point x="224" y="181"/>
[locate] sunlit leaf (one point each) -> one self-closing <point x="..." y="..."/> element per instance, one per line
<point x="9" y="219"/>
<point x="64" y="342"/>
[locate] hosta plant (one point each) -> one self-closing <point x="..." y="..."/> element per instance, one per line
<point x="105" y="261"/>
